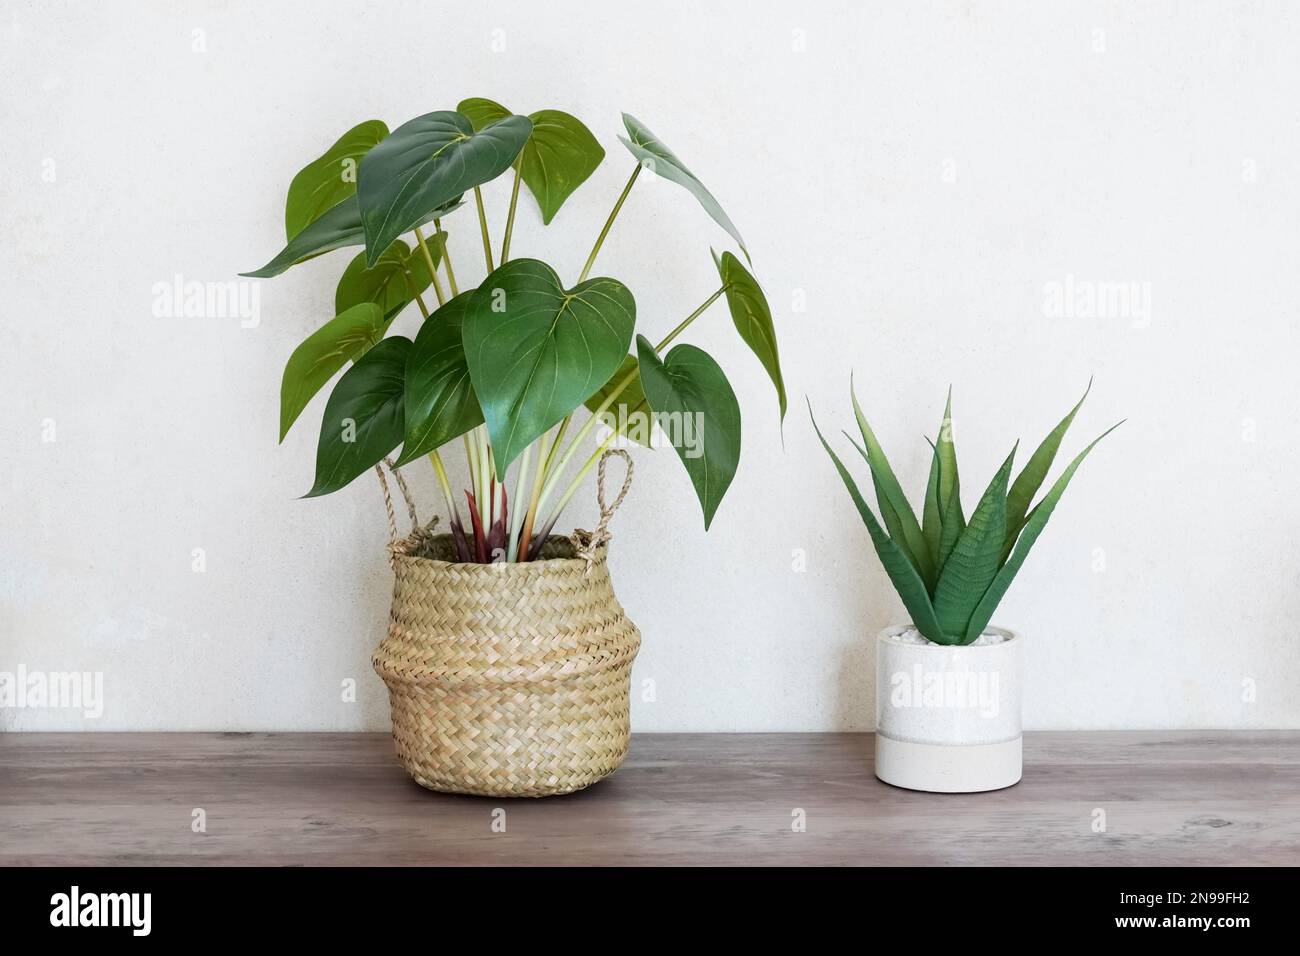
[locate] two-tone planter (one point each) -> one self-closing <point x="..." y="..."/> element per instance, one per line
<point x="948" y="717"/>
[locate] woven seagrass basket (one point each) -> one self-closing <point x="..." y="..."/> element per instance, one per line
<point x="507" y="679"/>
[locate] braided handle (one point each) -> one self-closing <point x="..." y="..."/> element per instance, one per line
<point x="388" y="500"/>
<point x="586" y="543"/>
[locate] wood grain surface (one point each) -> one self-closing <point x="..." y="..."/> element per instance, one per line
<point x="1197" y="797"/>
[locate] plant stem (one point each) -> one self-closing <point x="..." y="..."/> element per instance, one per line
<point x="591" y="259"/>
<point x="483" y="229"/>
<point x="446" y="259"/>
<point x="667" y="339"/>
<point x="582" y="472"/>
<point x="559" y="437"/>
<point x="486" y="476"/>
<point x="543" y="459"/>
<point x="517" y="519"/>
<point x="433" y="270"/>
<point x="452" y="513"/>
<point x="510" y="218"/>
<point x="419" y="300"/>
<point x="471" y="458"/>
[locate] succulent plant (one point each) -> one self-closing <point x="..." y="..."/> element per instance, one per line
<point x="952" y="573"/>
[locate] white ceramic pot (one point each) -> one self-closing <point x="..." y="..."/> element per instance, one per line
<point x="948" y="718"/>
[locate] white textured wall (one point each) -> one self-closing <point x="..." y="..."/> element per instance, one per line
<point x="920" y="173"/>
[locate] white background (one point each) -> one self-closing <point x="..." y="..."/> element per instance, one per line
<point x="916" y="174"/>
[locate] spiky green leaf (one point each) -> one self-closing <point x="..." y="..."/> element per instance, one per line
<point x="904" y="527"/>
<point x="973" y="564"/>
<point x="1033" y="528"/>
<point x="949" y="481"/>
<point x="908" y="584"/>
<point x="931" y="519"/>
<point x="1031" y="477"/>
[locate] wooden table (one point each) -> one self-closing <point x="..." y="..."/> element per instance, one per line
<point x="1194" y="797"/>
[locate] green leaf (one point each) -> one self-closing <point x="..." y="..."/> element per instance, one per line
<point x="440" y="400"/>
<point x="338" y="227"/>
<point x="900" y="518"/>
<point x="426" y="163"/>
<point x="537" y="351"/>
<point x="691" y="396"/>
<point x="559" y="156"/>
<point x="399" y="274"/>
<point x="659" y="159"/>
<point x="325" y="182"/>
<point x="1033" y="528"/>
<point x="631" y="398"/>
<point x="753" y="318"/>
<point x="363" y="417"/>
<point x="344" y="338"/>
<point x="901" y="571"/>
<point x="481" y="111"/>
<point x="931" y="520"/>
<point x="1032" y="476"/>
<point x="974" y="560"/>
<point x="949" y="481"/>
<point x="953" y="524"/>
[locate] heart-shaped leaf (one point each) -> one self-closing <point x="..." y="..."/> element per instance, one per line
<point x="363" y="417"/>
<point x="426" y="163"/>
<point x="344" y="338"/>
<point x="753" y="318"/>
<point x="440" y="400"/>
<point x="693" y="402"/>
<point x="393" y="282"/>
<point x="558" y="157"/>
<point x="325" y="182"/>
<point x="659" y="159"/>
<point x="630" y="399"/>
<point x="537" y="351"/>
<point x="336" y="228"/>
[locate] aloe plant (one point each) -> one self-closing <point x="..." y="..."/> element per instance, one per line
<point x="501" y="368"/>
<point x="951" y="572"/>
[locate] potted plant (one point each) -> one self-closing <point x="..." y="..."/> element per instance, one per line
<point x="508" y="656"/>
<point x="948" y="686"/>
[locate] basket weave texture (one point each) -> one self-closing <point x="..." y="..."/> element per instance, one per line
<point x="506" y="679"/>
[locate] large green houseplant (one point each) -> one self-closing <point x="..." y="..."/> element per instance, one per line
<point x="502" y="369"/>
<point x="510" y="679"/>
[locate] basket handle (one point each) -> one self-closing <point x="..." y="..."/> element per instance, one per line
<point x="388" y="500"/>
<point x="585" y="543"/>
